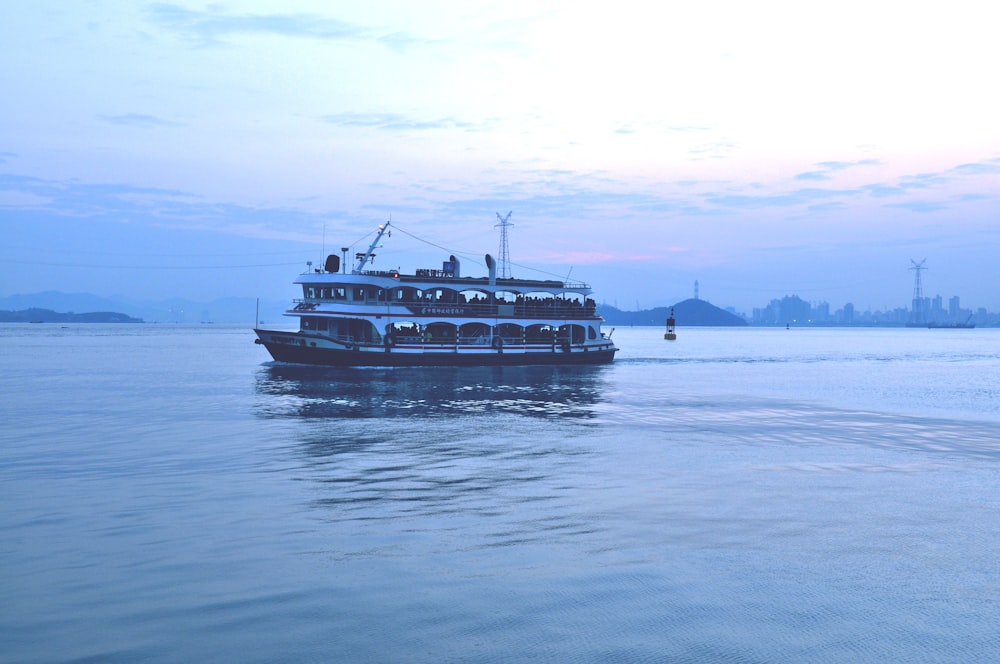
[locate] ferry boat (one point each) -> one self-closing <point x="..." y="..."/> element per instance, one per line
<point x="437" y="317"/>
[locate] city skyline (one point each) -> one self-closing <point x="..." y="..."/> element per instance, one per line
<point x="793" y="309"/>
<point x="205" y="150"/>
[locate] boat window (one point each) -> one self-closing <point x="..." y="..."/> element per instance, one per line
<point x="407" y="294"/>
<point x="404" y="332"/>
<point x="441" y="332"/>
<point x="591" y="332"/>
<point x="340" y="293"/>
<point x="510" y="332"/>
<point x="472" y="296"/>
<point x="539" y="333"/>
<point x="477" y="333"/>
<point x="574" y="333"/>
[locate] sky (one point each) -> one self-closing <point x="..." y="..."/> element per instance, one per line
<point x="764" y="149"/>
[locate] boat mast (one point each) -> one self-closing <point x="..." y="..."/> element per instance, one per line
<point x="363" y="258"/>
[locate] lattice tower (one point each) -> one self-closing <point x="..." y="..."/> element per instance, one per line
<point x="504" y="249"/>
<point x="917" y="312"/>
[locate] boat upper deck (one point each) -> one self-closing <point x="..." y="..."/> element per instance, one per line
<point x="439" y="279"/>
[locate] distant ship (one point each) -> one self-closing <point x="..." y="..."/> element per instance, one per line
<point x="437" y="318"/>
<point x="967" y="325"/>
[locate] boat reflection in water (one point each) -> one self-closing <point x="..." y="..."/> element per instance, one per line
<point x="324" y="392"/>
<point x="393" y="459"/>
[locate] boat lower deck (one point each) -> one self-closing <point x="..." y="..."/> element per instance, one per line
<point x="302" y="348"/>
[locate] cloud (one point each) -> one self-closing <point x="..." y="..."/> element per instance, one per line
<point x="813" y="175"/>
<point x="791" y="198"/>
<point x="148" y="206"/>
<point x="140" y="120"/>
<point x="884" y="190"/>
<point x="715" y="150"/>
<point x="903" y="186"/>
<point x="687" y="128"/>
<point x="843" y="165"/>
<point x="989" y="167"/>
<point x="923" y="181"/>
<point x="832" y="206"/>
<point x="401" y="41"/>
<point x="21" y="199"/>
<point x="214" y="25"/>
<point x="395" y="122"/>
<point x="826" y="168"/>
<point x="919" y="206"/>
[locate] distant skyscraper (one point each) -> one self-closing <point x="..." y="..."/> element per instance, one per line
<point x="937" y="308"/>
<point x="954" y="307"/>
<point x="821" y="312"/>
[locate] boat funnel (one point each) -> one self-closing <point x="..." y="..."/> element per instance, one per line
<point x="491" y="264"/>
<point x="332" y="263"/>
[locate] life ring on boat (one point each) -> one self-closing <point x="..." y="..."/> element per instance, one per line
<point x="565" y="346"/>
<point x="389" y="342"/>
<point x="498" y="343"/>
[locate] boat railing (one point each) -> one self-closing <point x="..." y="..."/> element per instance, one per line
<point x="381" y="273"/>
<point x="410" y="339"/>
<point x="542" y="310"/>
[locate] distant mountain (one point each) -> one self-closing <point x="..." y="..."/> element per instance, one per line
<point x="49" y="316"/>
<point x="687" y="313"/>
<point x="175" y="310"/>
<point x="57" y="301"/>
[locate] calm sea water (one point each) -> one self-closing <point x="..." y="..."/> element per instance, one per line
<point x="738" y="495"/>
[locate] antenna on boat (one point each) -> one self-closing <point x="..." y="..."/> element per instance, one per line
<point x="368" y="255"/>
<point x="504" y="250"/>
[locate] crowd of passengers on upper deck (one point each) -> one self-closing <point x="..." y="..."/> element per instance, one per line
<point x="446" y="296"/>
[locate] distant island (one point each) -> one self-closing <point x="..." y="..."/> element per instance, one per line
<point x="49" y="316"/>
<point x="690" y="312"/>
